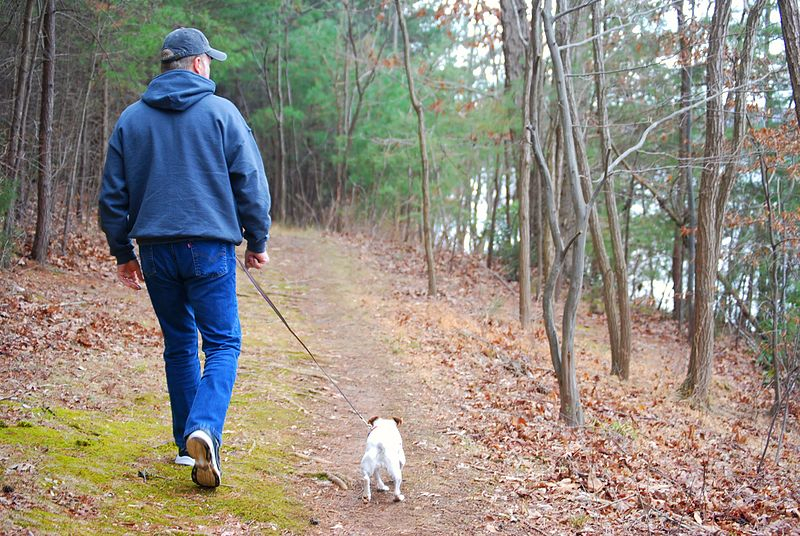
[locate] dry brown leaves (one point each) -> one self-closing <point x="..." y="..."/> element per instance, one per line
<point x="61" y="325"/>
<point x="645" y="461"/>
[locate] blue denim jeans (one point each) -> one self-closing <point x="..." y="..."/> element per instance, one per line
<point x="192" y="286"/>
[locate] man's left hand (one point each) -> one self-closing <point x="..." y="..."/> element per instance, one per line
<point x="255" y="260"/>
<point x="130" y="274"/>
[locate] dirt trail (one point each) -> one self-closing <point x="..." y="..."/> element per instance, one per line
<point x="342" y="316"/>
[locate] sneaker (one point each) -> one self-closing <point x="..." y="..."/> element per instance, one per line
<point x="183" y="458"/>
<point x="205" y="452"/>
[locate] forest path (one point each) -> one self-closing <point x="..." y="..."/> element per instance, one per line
<point x="339" y="306"/>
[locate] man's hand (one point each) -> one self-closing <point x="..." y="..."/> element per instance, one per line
<point x="130" y="274"/>
<point x="255" y="260"/>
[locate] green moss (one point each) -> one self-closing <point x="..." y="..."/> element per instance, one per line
<point x="578" y="521"/>
<point x="625" y="429"/>
<point x="101" y="455"/>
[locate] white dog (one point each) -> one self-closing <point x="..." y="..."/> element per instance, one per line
<point x="384" y="449"/>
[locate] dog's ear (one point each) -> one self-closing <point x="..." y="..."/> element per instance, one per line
<point x="398" y="420"/>
<point x="372" y="420"/>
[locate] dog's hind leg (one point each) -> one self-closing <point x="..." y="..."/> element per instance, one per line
<point x="379" y="485"/>
<point x="367" y="495"/>
<point x="397" y="476"/>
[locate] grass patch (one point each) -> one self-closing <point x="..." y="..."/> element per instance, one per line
<point x="579" y="521"/>
<point x="625" y="429"/>
<point x="89" y="471"/>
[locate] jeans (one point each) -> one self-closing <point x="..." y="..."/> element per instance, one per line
<point x="192" y="286"/>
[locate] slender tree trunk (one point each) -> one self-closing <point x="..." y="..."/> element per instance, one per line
<point x="523" y="195"/>
<point x="16" y="131"/>
<point x="684" y="156"/>
<point x="571" y="411"/>
<point x="493" y="221"/>
<point x="41" y="241"/>
<point x="362" y="82"/>
<point x="620" y="362"/>
<point x="507" y="183"/>
<point x="790" y="26"/>
<point x="598" y="243"/>
<point x="283" y="208"/>
<point x="276" y="104"/>
<point x="21" y="89"/>
<point x="677" y="274"/>
<point x="715" y="190"/>
<point x="537" y="98"/>
<point x="426" y="202"/>
<point x="775" y="331"/>
<point x="514" y="22"/>
<point x="78" y="143"/>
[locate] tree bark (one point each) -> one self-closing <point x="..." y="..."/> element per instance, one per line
<point x="620" y="360"/>
<point x="698" y="378"/>
<point x="523" y="196"/>
<point x="714" y="192"/>
<point x="571" y="411"/>
<point x="78" y="142"/>
<point x="21" y="89"/>
<point x="16" y="138"/>
<point x="790" y="26"/>
<point x="685" y="304"/>
<point x="41" y="241"/>
<point x="493" y="221"/>
<point x="423" y="149"/>
<point x="513" y="20"/>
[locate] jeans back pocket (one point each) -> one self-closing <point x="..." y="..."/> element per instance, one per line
<point x="147" y="259"/>
<point x="210" y="257"/>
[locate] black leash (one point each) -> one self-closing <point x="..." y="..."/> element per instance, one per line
<point x="285" y="323"/>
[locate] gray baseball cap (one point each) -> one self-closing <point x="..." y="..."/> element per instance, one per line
<point x="185" y="42"/>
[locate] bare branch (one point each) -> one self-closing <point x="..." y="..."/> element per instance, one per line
<point x="574" y="9"/>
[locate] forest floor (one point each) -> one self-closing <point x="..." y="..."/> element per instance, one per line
<point x="85" y="438"/>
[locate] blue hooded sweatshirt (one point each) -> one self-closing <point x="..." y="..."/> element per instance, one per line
<point x="182" y="164"/>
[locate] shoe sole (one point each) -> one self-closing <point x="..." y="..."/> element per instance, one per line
<point x="204" y="472"/>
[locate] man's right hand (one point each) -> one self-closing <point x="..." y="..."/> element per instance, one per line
<point x="130" y="274"/>
<point x="255" y="260"/>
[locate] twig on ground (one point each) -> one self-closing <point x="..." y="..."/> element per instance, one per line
<point x="503" y="281"/>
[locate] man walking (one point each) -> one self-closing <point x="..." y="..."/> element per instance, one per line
<point x="184" y="177"/>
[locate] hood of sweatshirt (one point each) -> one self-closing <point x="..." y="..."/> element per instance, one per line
<point x="177" y="90"/>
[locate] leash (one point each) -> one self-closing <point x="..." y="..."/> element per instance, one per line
<point x="285" y="323"/>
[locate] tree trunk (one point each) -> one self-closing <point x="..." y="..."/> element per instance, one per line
<point x="620" y="360"/>
<point x="523" y="195"/>
<point x="514" y="22"/>
<point x="677" y="274"/>
<point x="78" y="143"/>
<point x="685" y="304"/>
<point x="495" y="200"/>
<point x="571" y="411"/>
<point x="426" y="202"/>
<point x="16" y="131"/>
<point x="283" y="196"/>
<point x="790" y="26"/>
<point x="41" y="241"/>
<point x="715" y="190"/>
<point x="21" y="89"/>
<point x="362" y="82"/>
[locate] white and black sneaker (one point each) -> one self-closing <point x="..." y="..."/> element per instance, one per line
<point x="183" y="458"/>
<point x="205" y="452"/>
